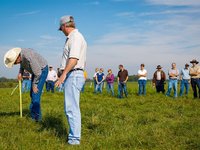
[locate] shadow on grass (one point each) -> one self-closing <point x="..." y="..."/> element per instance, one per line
<point x="25" y="112"/>
<point x="55" y="125"/>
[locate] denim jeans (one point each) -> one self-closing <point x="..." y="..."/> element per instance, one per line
<point x="72" y="88"/>
<point x="35" y="97"/>
<point x="83" y="88"/>
<point x="122" y="88"/>
<point x="95" y="84"/>
<point x="110" y="88"/>
<point x="50" y="86"/>
<point x="172" y="84"/>
<point x="186" y="84"/>
<point x="26" y="85"/>
<point x="142" y="87"/>
<point x="99" y="87"/>
<point x="195" y="84"/>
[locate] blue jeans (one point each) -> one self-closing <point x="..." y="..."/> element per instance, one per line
<point x="110" y="88"/>
<point x="95" y="83"/>
<point x="83" y="88"/>
<point x="35" y="97"/>
<point x="172" y="84"/>
<point x="122" y="88"/>
<point x="186" y="84"/>
<point x="72" y="88"/>
<point x="50" y="86"/>
<point x="142" y="87"/>
<point x="195" y="84"/>
<point x="26" y="85"/>
<point x="99" y="87"/>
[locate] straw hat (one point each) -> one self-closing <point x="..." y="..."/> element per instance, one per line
<point x="11" y="56"/>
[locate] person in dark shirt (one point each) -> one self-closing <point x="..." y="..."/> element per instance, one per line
<point x="159" y="78"/>
<point x="122" y="78"/>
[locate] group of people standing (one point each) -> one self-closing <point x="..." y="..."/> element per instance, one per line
<point x="51" y="79"/>
<point x="186" y="76"/>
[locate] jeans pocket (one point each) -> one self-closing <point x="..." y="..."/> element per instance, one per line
<point x="79" y="82"/>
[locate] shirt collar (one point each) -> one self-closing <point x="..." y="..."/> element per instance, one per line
<point x="71" y="33"/>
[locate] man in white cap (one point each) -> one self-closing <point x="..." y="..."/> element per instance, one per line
<point x="73" y="63"/>
<point x="51" y="79"/>
<point x="195" y="77"/>
<point x="37" y="66"/>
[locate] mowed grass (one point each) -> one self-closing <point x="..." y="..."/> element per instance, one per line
<point x="147" y="122"/>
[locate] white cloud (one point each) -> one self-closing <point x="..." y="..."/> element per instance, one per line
<point x="175" y="2"/>
<point x="48" y="41"/>
<point x="126" y="14"/>
<point x="28" y="13"/>
<point x="153" y="42"/>
<point x="93" y="3"/>
<point x="172" y="12"/>
<point x="49" y="37"/>
<point x="20" y="40"/>
<point x="122" y="0"/>
<point x="186" y="11"/>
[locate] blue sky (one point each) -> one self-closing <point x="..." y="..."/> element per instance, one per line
<point x="128" y="32"/>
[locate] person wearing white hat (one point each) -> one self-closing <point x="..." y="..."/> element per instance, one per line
<point x="51" y="79"/>
<point x="73" y="63"/>
<point x="37" y="66"/>
<point x="195" y="77"/>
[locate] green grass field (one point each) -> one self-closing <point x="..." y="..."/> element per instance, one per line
<point x="150" y="122"/>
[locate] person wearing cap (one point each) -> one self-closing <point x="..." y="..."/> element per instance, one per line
<point x="195" y="77"/>
<point x="110" y="81"/>
<point x="185" y="80"/>
<point x="142" y="80"/>
<point x="122" y="79"/>
<point x="51" y="78"/>
<point x="173" y="80"/>
<point x="159" y="78"/>
<point x="73" y="62"/>
<point x="35" y="64"/>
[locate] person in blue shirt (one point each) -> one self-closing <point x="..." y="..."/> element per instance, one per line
<point x="99" y="80"/>
<point x="185" y="80"/>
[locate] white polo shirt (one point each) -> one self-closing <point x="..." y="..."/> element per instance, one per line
<point x="75" y="47"/>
